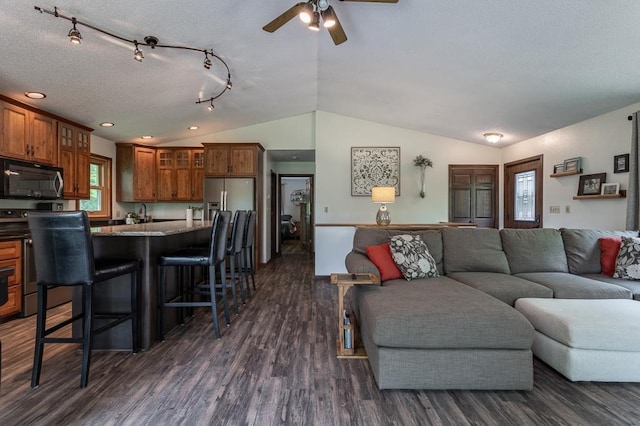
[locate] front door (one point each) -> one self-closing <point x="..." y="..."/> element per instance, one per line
<point x="523" y="193"/>
<point x="473" y="194"/>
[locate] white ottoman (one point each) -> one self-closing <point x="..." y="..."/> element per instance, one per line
<point x="587" y="340"/>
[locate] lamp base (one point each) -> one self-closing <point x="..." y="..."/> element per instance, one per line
<point x="383" y="218"/>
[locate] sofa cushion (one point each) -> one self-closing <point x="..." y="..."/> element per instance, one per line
<point x="582" y="248"/>
<point x="628" y="260"/>
<point x="534" y="250"/>
<point x="632" y="285"/>
<point x="570" y="286"/>
<point x="411" y="255"/>
<point x="366" y="236"/>
<point x="609" y="248"/>
<point x="506" y="288"/>
<point x="380" y="255"/>
<point x="440" y="313"/>
<point x="473" y="250"/>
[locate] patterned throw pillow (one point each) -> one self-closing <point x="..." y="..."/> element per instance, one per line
<point x="412" y="257"/>
<point x="628" y="260"/>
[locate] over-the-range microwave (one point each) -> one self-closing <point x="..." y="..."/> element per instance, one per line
<point x="21" y="179"/>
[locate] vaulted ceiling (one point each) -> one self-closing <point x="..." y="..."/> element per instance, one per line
<point x="447" y="67"/>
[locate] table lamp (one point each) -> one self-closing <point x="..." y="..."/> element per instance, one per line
<point x="383" y="195"/>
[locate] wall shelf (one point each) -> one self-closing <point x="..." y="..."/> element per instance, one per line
<point x="571" y="173"/>
<point x="622" y="194"/>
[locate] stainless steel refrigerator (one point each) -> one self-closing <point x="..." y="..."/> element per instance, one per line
<point x="229" y="194"/>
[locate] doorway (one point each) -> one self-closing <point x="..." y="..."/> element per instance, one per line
<point x="523" y="193"/>
<point x="295" y="213"/>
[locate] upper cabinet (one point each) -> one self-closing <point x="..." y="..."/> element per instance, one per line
<point x="174" y="174"/>
<point x="231" y="159"/>
<point x="27" y="135"/>
<point x="135" y="173"/>
<point x="75" y="159"/>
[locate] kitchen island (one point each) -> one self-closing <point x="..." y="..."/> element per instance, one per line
<point x="146" y="241"/>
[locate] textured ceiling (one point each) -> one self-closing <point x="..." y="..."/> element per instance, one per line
<point x="446" y="67"/>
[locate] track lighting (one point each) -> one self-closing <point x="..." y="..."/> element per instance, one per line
<point x="210" y="107"/>
<point x="306" y="13"/>
<point x="137" y="54"/>
<point x="153" y="42"/>
<point x="314" y="25"/>
<point x="328" y="17"/>
<point x="74" y="34"/>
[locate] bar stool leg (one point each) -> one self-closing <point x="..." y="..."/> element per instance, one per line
<point x="232" y="269"/>
<point x="241" y="274"/>
<point x="160" y="296"/>
<point x="40" y="329"/>
<point x="87" y="339"/>
<point x="135" y="279"/>
<point x="214" y="307"/>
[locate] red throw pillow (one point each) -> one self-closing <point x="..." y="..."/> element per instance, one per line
<point x="609" y="248"/>
<point x="380" y="255"/>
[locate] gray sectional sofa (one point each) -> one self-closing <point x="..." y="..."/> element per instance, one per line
<point x="460" y="330"/>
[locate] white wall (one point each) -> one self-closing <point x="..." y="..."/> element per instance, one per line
<point x="288" y="186"/>
<point x="596" y="140"/>
<point x="335" y="135"/>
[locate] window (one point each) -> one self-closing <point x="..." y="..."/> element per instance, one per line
<point x="525" y="197"/>
<point x="99" y="203"/>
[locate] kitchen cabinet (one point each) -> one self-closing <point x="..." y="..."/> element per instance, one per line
<point x="27" y="135"/>
<point x="231" y="159"/>
<point x="135" y="173"/>
<point x="197" y="174"/>
<point x="75" y="159"/>
<point x="174" y="174"/>
<point x="11" y="256"/>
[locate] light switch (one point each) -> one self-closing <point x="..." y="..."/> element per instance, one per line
<point x="567" y="209"/>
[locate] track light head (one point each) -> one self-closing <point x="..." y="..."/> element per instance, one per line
<point x="314" y="25"/>
<point x="229" y="84"/>
<point x="74" y="34"/>
<point x="306" y="14"/>
<point x="207" y="61"/>
<point x="210" y="107"/>
<point x="137" y="53"/>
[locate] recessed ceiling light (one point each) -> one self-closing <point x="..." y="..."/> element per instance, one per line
<point x="107" y="124"/>
<point x="193" y="127"/>
<point x="146" y="137"/>
<point x="35" y="95"/>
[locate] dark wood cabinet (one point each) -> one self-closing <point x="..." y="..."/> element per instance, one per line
<point x="174" y="174"/>
<point x="27" y="135"/>
<point x="135" y="173"/>
<point x="75" y="159"/>
<point x="11" y="256"/>
<point x="231" y="159"/>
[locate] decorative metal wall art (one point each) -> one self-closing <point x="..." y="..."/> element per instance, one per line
<point x="374" y="166"/>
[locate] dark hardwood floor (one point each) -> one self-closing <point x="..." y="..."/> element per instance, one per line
<point x="276" y="364"/>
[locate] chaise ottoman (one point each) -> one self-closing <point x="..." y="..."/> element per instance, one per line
<point x="586" y="340"/>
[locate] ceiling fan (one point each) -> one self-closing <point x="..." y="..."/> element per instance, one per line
<point x="312" y="12"/>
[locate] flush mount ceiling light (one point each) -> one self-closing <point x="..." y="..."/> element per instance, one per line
<point x="311" y="12"/>
<point x="493" y="137"/>
<point x="146" y="137"/>
<point x="35" y="95"/>
<point x="150" y="41"/>
<point x="107" y="124"/>
<point x="193" y="127"/>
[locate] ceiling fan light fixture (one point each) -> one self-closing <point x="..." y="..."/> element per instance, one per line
<point x="314" y="25"/>
<point x="306" y="13"/>
<point x="328" y="17"/>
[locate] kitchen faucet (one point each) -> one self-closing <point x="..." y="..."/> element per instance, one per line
<point x="143" y="211"/>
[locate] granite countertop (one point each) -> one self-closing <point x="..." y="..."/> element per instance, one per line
<point x="152" y="229"/>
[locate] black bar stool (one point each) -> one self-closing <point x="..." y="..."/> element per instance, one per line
<point x="63" y="251"/>
<point x="211" y="257"/>
<point x="247" y="249"/>
<point x="234" y="251"/>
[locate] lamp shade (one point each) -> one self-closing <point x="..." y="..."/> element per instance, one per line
<point x="383" y="194"/>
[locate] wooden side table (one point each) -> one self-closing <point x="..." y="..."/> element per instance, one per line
<point x="344" y="283"/>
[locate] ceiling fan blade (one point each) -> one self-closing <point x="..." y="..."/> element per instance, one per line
<point x="337" y="32"/>
<point x="374" y="1"/>
<point x="284" y="18"/>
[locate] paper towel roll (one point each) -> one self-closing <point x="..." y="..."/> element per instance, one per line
<point x="190" y="215"/>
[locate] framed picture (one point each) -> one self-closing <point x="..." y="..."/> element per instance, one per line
<point x="591" y="184"/>
<point x="374" y="166"/>
<point x="573" y="164"/>
<point x="558" y="168"/>
<point x="621" y="163"/>
<point x="610" y="188"/>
